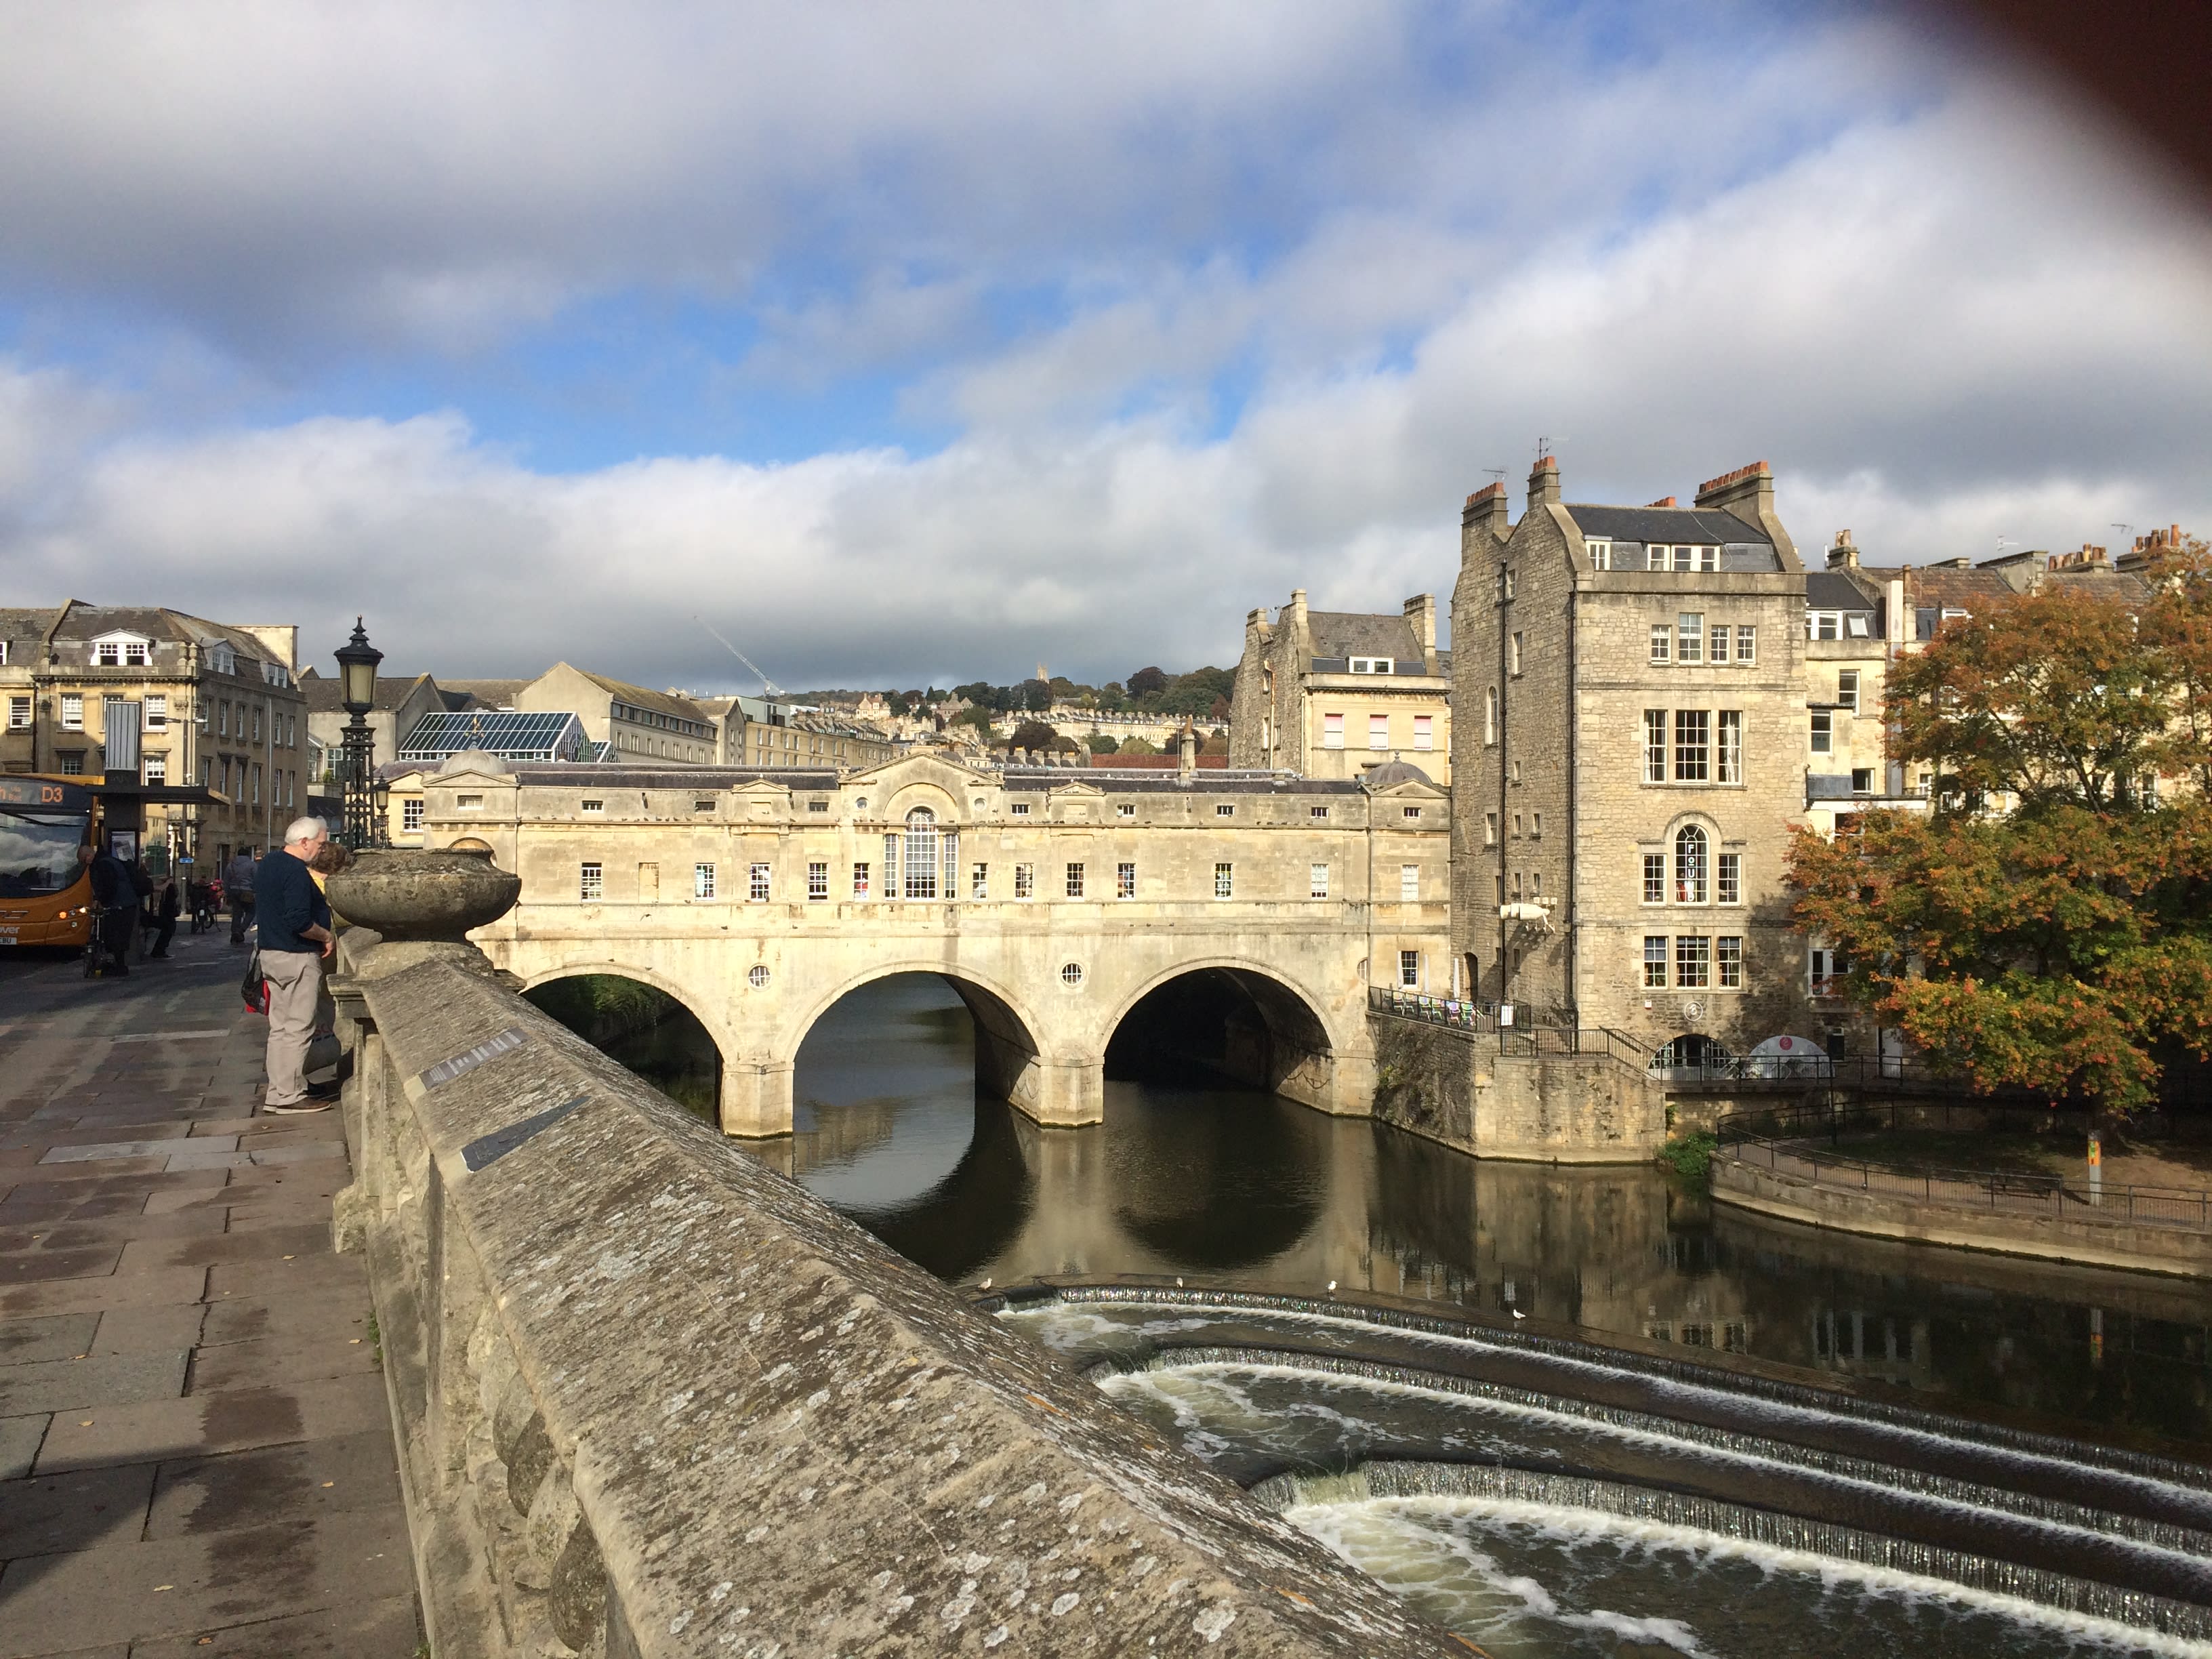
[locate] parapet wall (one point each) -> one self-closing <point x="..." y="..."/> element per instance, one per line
<point x="654" y="1399"/>
<point x="1455" y="1087"/>
<point x="2084" y="1237"/>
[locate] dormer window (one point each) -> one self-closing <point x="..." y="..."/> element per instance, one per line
<point x="122" y="651"/>
<point x="1824" y="624"/>
<point x="1660" y="555"/>
<point x="1601" y="552"/>
<point x="1371" y="665"/>
<point x="222" y="659"/>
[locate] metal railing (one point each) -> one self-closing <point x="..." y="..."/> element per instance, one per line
<point x="1991" y="1115"/>
<point x="1521" y="1039"/>
<point x="1999" y="1191"/>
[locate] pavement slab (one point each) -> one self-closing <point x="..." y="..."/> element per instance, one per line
<point x="196" y="1452"/>
<point x="123" y="1379"/>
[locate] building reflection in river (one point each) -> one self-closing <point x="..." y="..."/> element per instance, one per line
<point x="1229" y="1187"/>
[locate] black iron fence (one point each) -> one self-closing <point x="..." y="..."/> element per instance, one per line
<point x="1999" y="1191"/>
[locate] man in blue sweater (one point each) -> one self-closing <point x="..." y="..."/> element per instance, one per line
<point x="295" y="936"/>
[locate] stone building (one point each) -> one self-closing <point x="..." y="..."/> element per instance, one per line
<point x="1331" y="694"/>
<point x="208" y="703"/>
<point x="636" y="725"/>
<point x="757" y="732"/>
<point x="1630" y="760"/>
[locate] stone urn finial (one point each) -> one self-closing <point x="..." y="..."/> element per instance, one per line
<point x="422" y="905"/>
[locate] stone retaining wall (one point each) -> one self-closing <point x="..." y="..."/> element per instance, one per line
<point x="1454" y="1086"/>
<point x="654" y="1399"/>
<point x="2090" y="1242"/>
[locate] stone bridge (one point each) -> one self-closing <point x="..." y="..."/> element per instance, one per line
<point x="1055" y="902"/>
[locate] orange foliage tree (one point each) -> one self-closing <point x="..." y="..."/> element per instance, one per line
<point x="2048" y="923"/>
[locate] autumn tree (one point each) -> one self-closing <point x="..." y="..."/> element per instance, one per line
<point x="2047" y="923"/>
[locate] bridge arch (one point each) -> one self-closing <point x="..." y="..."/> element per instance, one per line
<point x="1291" y="1050"/>
<point x="703" y="1009"/>
<point x="1012" y="1058"/>
<point x="665" y="1048"/>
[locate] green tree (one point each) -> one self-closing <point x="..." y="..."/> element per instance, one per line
<point x="1100" y="744"/>
<point x="1032" y="734"/>
<point x="1147" y="683"/>
<point x="2065" y="944"/>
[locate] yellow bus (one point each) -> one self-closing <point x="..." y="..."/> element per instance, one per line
<point x="46" y="898"/>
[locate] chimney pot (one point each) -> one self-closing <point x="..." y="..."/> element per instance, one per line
<point x="1543" y="482"/>
<point x="1666" y="501"/>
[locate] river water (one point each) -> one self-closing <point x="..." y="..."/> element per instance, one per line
<point x="1231" y="1188"/>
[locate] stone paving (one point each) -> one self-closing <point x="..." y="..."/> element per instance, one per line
<point x="196" y="1452"/>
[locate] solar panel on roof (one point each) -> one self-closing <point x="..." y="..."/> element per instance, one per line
<point x="510" y="735"/>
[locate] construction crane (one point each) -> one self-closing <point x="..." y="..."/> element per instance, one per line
<point x="768" y="687"/>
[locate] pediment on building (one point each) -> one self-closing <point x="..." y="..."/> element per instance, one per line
<point x="1411" y="789"/>
<point x="1078" y="790"/>
<point x="932" y="769"/>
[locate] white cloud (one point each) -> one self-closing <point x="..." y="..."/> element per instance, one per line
<point x="1952" y="318"/>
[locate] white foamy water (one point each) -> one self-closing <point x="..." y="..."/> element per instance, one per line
<point x="1534" y="1581"/>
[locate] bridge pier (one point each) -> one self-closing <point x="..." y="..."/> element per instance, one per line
<point x="757" y="1097"/>
<point x="1058" y="1093"/>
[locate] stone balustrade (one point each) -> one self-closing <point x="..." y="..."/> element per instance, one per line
<point x="652" y="1399"/>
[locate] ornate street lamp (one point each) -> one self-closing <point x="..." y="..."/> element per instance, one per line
<point x="357" y="661"/>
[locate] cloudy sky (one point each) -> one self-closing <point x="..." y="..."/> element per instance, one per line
<point x="914" y="342"/>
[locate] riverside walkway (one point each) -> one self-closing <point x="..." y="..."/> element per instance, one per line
<point x="196" y="1450"/>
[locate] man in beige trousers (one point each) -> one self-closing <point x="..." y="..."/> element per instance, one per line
<point x="294" y="923"/>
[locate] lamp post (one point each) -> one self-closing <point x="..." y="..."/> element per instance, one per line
<point x="357" y="661"/>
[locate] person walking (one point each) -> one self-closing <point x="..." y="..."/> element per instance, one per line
<point x="168" y="907"/>
<point x="141" y="897"/>
<point x="295" y="936"/>
<point x="238" y="888"/>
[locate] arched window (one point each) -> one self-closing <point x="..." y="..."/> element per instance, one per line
<point x="1690" y="866"/>
<point x="920" y="863"/>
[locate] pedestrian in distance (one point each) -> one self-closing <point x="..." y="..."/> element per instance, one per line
<point x="294" y="922"/>
<point x="118" y="905"/>
<point x="168" y="907"/>
<point x="238" y="888"/>
<point x="142" y="898"/>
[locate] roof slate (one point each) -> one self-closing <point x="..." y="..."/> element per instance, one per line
<point x="1356" y="634"/>
<point x="1703" y="526"/>
<point x="1830" y="590"/>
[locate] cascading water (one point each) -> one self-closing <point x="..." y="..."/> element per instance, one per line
<point x="1545" y="1495"/>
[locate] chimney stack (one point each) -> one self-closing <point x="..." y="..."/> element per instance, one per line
<point x="1843" y="556"/>
<point x="1421" y="612"/>
<point x="1485" y="520"/>
<point x="1543" y="483"/>
<point x="1187" y="747"/>
<point x="1750" y="487"/>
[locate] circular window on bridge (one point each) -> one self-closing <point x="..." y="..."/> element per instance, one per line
<point x="758" y="977"/>
<point x="861" y="804"/>
<point x="1071" y="974"/>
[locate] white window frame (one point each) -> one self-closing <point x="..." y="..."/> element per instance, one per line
<point x="862" y="886"/>
<point x="157" y="712"/>
<point x="817" y="881"/>
<point x="1654" y="877"/>
<point x="1600" y="549"/>
<point x="1490" y="719"/>
<point x="1821" y="736"/>
<point x="1331" y="730"/>
<point x="1025" y="881"/>
<point x="702" y="881"/>
<point x="1694" y="754"/>
<point x="1728" y="879"/>
<point x="1728" y="746"/>
<point x="758" y="886"/>
<point x="1655" y="746"/>
<point x="19" y="713"/>
<point x="1847" y="688"/>
<point x="1225" y="880"/>
<point x="410" y="815"/>
<point x="72" y="711"/>
<point x="591" y="882"/>
<point x="1409" y="970"/>
<point x="1656" y="961"/>
<point x="1747" y="644"/>
<point x="1717" y="644"/>
<point x="1662" y="644"/>
<point x="1075" y="876"/>
<point x="1690" y="637"/>
<point x="1370" y="664"/>
<point x="1223" y="809"/>
<point x="1378" y="731"/>
<point x="979" y="881"/>
<point x="157" y="768"/>
<point x="1409" y="884"/>
<point x="1125" y="880"/>
<point x="1513" y="649"/>
<point x="1425" y="732"/>
<point x="1727" y="962"/>
<point x="1317" y="881"/>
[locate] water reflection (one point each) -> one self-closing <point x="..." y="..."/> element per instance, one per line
<point x="1233" y="1188"/>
